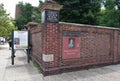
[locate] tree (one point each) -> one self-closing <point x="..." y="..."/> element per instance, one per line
<point x="6" y="23"/>
<point x="26" y="12"/>
<point x="25" y="15"/>
<point x="111" y="15"/>
<point x="80" y="11"/>
<point x="118" y="3"/>
<point x="37" y="15"/>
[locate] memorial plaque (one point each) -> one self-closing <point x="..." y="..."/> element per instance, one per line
<point x="50" y="16"/>
<point x="71" y="45"/>
<point x="48" y="58"/>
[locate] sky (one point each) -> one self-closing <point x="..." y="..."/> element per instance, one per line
<point x="9" y="5"/>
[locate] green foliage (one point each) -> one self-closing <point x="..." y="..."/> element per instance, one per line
<point x="6" y="23"/>
<point x="111" y="15"/>
<point x="36" y="13"/>
<point x="79" y="11"/>
<point x="25" y="15"/>
<point x="26" y="12"/>
<point x="117" y="2"/>
<point x="37" y="66"/>
<point x="90" y="12"/>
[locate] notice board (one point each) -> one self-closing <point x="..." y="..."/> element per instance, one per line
<point x="20" y="40"/>
<point x="71" y="45"/>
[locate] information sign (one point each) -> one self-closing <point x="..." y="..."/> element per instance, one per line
<point x="71" y="45"/>
<point x="20" y="39"/>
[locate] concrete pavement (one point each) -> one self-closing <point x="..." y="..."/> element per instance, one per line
<point x="22" y="71"/>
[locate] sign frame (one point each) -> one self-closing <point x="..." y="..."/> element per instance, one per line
<point x="17" y="41"/>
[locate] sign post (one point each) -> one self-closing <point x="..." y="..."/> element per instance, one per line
<point x="28" y="50"/>
<point x="20" y="41"/>
<point x="12" y="51"/>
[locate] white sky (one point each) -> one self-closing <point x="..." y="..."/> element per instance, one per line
<point x="9" y="5"/>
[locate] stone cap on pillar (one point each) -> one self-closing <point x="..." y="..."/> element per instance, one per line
<point x="32" y="24"/>
<point x="51" y="5"/>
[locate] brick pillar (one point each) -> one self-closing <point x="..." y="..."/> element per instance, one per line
<point x="50" y="26"/>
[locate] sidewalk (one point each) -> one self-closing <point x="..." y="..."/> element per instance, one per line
<point x="22" y="71"/>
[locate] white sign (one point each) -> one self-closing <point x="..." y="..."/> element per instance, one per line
<point x="20" y="39"/>
<point x="48" y="57"/>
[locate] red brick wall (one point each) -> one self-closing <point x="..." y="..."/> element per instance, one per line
<point x="98" y="45"/>
<point x="36" y="43"/>
<point x="117" y="45"/>
<point x="51" y="43"/>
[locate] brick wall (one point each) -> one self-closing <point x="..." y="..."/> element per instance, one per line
<point x="98" y="45"/>
<point x="36" y="43"/>
<point x="118" y="47"/>
<point x="51" y="43"/>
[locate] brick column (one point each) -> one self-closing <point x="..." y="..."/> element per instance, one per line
<point x="50" y="26"/>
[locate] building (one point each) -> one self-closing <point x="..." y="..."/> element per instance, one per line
<point x="17" y="11"/>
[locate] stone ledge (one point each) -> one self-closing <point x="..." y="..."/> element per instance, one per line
<point x="50" y="5"/>
<point x="31" y="25"/>
<point x="85" y="25"/>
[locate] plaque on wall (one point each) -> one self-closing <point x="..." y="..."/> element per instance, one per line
<point x="50" y="16"/>
<point x="71" y="45"/>
<point x="48" y="58"/>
